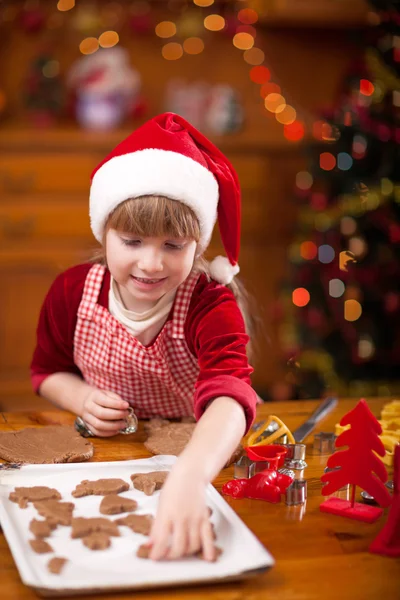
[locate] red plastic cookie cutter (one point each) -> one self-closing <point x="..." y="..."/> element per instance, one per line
<point x="268" y="485"/>
<point x="274" y="454"/>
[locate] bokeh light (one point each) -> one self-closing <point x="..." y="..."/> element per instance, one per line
<point x="269" y="88"/>
<point x="172" y="51"/>
<point x="327" y="161"/>
<point x="193" y="45"/>
<point x="243" y="41"/>
<point x="89" y="45"/>
<point x="214" y="22"/>
<point x="165" y="29"/>
<point x="300" y="297"/>
<point x="248" y="16"/>
<point x="336" y="288"/>
<point x="286" y="116"/>
<point x="352" y="310"/>
<point x="108" y="39"/>
<point x="64" y="5"/>
<point x="260" y="74"/>
<point x="348" y="225"/>
<point x="326" y="254"/>
<point x="203" y="3"/>
<point x="254" y="56"/>
<point x="366" y="87"/>
<point x="308" y="250"/>
<point x="274" y="102"/>
<point x="344" y="161"/>
<point x="304" y="180"/>
<point x="294" y="132"/>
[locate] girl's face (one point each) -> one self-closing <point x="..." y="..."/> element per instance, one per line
<point x="147" y="268"/>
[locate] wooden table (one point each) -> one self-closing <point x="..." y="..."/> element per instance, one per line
<point x="318" y="556"/>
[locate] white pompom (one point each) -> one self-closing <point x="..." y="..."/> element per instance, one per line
<point x="222" y="270"/>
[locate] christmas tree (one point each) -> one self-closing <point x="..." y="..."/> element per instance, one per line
<point x="341" y="303"/>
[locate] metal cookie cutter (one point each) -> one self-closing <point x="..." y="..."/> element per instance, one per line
<point x="345" y="488"/>
<point x="324" y="442"/>
<point x="245" y="468"/>
<point x="368" y="499"/>
<point x="296" y="493"/>
<point x="294" y="460"/>
<point x="132" y="425"/>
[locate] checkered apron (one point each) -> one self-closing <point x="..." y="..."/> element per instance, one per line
<point x="157" y="380"/>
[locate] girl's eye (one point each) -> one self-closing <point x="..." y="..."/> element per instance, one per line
<point x="172" y="246"/>
<point x="130" y="242"/>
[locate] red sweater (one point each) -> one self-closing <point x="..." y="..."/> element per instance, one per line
<point x="214" y="332"/>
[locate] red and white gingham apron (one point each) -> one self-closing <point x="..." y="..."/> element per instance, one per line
<point x="157" y="380"/>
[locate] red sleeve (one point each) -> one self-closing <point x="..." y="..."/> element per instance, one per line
<point x="215" y="333"/>
<point x="54" y="350"/>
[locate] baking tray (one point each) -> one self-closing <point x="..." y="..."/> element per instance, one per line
<point x="117" y="568"/>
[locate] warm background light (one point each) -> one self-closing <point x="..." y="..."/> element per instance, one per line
<point x="193" y="45"/>
<point x="254" y="56"/>
<point x="108" y="39"/>
<point x="64" y="5"/>
<point x="172" y="51"/>
<point x="214" y="22"/>
<point x="352" y="310"/>
<point x="300" y="297"/>
<point x="203" y="3"/>
<point x="89" y="45"/>
<point x="165" y="29"/>
<point x="243" y="41"/>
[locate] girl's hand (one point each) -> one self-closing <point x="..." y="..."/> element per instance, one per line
<point x="182" y="526"/>
<point x="105" y="413"/>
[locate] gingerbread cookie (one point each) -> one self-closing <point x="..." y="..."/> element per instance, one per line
<point x="44" y="445"/>
<point x="56" y="564"/>
<point x="149" y="482"/>
<point x="114" y="505"/>
<point x="165" y="437"/>
<point x="97" y="540"/>
<point x="23" y="495"/>
<point x="41" y="529"/>
<point x="138" y="523"/>
<point x="40" y="546"/>
<point x="82" y="526"/>
<point x="101" y="487"/>
<point x="57" y="513"/>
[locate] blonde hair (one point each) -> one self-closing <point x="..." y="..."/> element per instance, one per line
<point x="154" y="216"/>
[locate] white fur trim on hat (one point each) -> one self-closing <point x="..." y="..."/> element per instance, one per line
<point x="222" y="270"/>
<point x="154" y="171"/>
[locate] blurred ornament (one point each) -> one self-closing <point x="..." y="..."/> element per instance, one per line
<point x="106" y="88"/>
<point x="346" y="258"/>
<point x="32" y="17"/>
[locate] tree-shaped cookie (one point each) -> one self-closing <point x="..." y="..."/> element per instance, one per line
<point x="388" y="539"/>
<point x="358" y="465"/>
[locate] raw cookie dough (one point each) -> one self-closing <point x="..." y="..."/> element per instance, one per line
<point x="56" y="564"/>
<point x="165" y="437"/>
<point x="149" y="482"/>
<point x="138" y="523"/>
<point x="82" y="526"/>
<point x="41" y="529"/>
<point x="144" y="551"/>
<point x="57" y="513"/>
<point x="101" y="487"/>
<point x="43" y="445"/>
<point x="40" y="546"/>
<point x="114" y="505"/>
<point x="97" y="540"/>
<point x="23" y="495"/>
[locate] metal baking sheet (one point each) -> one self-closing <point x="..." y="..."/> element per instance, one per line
<point x="118" y="568"/>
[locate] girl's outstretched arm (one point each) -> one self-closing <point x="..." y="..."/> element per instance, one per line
<point x="182" y="523"/>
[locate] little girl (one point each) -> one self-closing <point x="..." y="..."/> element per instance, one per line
<point x="149" y="325"/>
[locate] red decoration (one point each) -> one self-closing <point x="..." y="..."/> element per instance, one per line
<point x="268" y="485"/>
<point x="388" y="540"/>
<point x="359" y="466"/>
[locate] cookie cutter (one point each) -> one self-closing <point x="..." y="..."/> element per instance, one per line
<point x="273" y="430"/>
<point x="368" y="499"/>
<point x="245" y="468"/>
<point x="294" y="460"/>
<point x="132" y="425"/>
<point x="296" y="493"/>
<point x="324" y="442"/>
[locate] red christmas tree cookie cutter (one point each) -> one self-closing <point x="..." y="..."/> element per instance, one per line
<point x="358" y="465"/>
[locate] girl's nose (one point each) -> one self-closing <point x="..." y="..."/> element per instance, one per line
<point x="150" y="261"/>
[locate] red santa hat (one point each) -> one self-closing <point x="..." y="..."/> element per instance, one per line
<point x="169" y="157"/>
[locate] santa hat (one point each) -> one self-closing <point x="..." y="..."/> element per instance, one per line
<point x="169" y="157"/>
